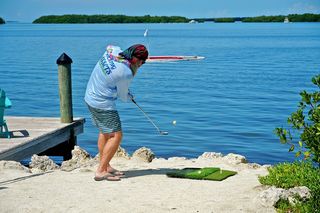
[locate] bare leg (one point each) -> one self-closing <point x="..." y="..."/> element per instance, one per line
<point x="102" y="140"/>
<point x="108" y="145"/>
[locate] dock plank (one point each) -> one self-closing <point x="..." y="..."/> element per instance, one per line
<point x="33" y="135"/>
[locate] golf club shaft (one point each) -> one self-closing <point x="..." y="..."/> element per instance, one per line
<point x="146" y="115"/>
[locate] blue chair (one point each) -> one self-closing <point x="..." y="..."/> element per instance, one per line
<point x="4" y="104"/>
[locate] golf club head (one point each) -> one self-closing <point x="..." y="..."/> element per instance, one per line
<point x="145" y="114"/>
<point x="164" y="133"/>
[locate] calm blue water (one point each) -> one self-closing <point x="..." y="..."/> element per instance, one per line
<point x="231" y="101"/>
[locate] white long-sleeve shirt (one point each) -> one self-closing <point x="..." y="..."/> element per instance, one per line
<point x="109" y="80"/>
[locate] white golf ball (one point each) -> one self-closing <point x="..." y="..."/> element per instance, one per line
<point x="199" y="172"/>
<point x="174" y="122"/>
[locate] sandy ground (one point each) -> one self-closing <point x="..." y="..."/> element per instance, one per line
<point x="146" y="188"/>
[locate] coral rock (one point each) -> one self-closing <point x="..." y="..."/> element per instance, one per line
<point x="80" y="158"/>
<point x="210" y="155"/>
<point x="13" y="165"/>
<point x="121" y="152"/>
<point x="272" y="195"/>
<point x="302" y="192"/>
<point x="42" y="163"/>
<point x="235" y="158"/>
<point x="144" y="154"/>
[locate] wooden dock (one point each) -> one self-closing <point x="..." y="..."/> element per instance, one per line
<point x="39" y="135"/>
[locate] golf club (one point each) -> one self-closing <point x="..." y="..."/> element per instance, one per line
<point x="160" y="132"/>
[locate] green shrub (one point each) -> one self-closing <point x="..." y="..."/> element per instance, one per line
<point x="289" y="175"/>
<point x="74" y="18"/>
<point x="307" y="17"/>
<point x="283" y="206"/>
<point x="306" y="122"/>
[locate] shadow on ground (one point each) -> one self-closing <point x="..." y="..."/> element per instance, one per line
<point x="144" y="172"/>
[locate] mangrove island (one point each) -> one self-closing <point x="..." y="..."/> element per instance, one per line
<point x="83" y="19"/>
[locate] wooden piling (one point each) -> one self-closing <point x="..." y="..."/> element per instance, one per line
<point x="65" y="88"/>
<point x="65" y="93"/>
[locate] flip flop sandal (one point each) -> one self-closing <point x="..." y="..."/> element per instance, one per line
<point x="109" y="177"/>
<point x="117" y="173"/>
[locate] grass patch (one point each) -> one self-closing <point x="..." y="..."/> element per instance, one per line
<point x="207" y="173"/>
<point x="289" y="175"/>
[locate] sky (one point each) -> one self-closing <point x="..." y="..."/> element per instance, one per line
<point x="29" y="10"/>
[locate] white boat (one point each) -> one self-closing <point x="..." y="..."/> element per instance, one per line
<point x="145" y="34"/>
<point x="193" y="22"/>
<point x="169" y="58"/>
<point x="286" y="20"/>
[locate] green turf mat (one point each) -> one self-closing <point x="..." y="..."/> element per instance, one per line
<point x="207" y="173"/>
<point x="220" y="175"/>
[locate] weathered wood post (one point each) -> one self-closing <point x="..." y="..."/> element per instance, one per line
<point x="65" y="93"/>
<point x="65" y="88"/>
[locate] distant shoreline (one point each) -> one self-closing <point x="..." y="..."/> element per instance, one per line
<point x="117" y="19"/>
<point x="122" y="19"/>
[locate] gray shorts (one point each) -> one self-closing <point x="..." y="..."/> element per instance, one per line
<point x="107" y="121"/>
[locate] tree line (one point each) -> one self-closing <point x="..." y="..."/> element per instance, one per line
<point x="307" y="17"/>
<point x="109" y="19"/>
